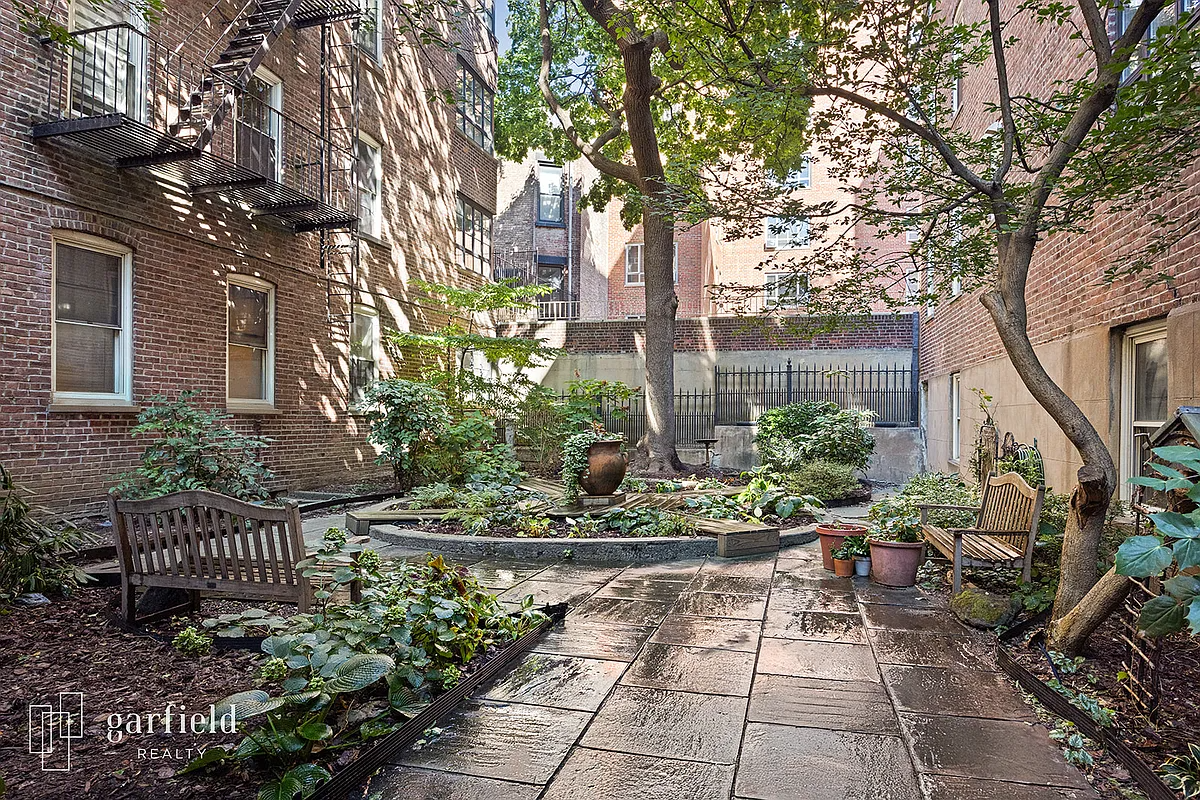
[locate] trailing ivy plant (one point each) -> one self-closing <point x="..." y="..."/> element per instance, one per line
<point x="349" y="672"/>
<point x="195" y="448"/>
<point x="575" y="458"/>
<point x="1176" y="541"/>
<point x="32" y="553"/>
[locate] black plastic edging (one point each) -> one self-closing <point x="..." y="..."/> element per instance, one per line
<point x="379" y="754"/>
<point x="1145" y="777"/>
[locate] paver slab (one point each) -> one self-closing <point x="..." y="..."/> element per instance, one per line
<point x="599" y="775"/>
<point x="731" y="584"/>
<point x="722" y="634"/>
<point x="931" y="649"/>
<point x="988" y="749"/>
<point x="824" y="660"/>
<point x="667" y="571"/>
<point x="498" y="574"/>
<point x="566" y="572"/>
<point x="712" y="604"/>
<point x="508" y="741"/>
<point x="871" y="592"/>
<point x="656" y="722"/>
<point x="546" y="679"/>
<point x="835" y="705"/>
<point x="413" y="783"/>
<point x="817" y="625"/>
<point x="547" y="593"/>
<point x="945" y="787"/>
<point x="625" y="612"/>
<point x="591" y="638"/>
<point x="963" y="693"/>
<point x="911" y="619"/>
<point x="779" y="762"/>
<point x="759" y="566"/>
<point x="691" y="669"/>
<point x="635" y="588"/>
<point x="814" y="583"/>
<point x="810" y="600"/>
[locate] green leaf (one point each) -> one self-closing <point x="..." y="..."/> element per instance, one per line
<point x="314" y="731"/>
<point x="1182" y="587"/>
<point x="1152" y="483"/>
<point x="1179" y="454"/>
<point x="213" y="755"/>
<point x="1175" y="525"/>
<point x="359" y="672"/>
<point x="1143" y="556"/>
<point x="1161" y="616"/>
<point x="1187" y="553"/>
<point x="244" y="704"/>
<point x="1193" y="617"/>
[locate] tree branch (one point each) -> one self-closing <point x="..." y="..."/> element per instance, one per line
<point x="1006" y="111"/>
<point x="1097" y="31"/>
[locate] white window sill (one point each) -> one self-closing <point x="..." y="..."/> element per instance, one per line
<point x="60" y="406"/>
<point x="372" y="239"/>
<point x="251" y="408"/>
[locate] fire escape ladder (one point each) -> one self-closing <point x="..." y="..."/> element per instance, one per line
<point x="257" y="28"/>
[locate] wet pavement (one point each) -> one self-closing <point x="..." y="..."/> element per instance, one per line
<point x="762" y="678"/>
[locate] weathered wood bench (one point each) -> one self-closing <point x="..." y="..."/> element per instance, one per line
<point x="206" y="542"/>
<point x="1005" y="528"/>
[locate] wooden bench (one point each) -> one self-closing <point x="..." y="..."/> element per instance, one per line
<point x="1005" y="528"/>
<point x="207" y="542"/>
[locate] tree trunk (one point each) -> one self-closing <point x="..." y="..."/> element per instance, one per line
<point x="1070" y="633"/>
<point x="1096" y="478"/>
<point x="658" y="261"/>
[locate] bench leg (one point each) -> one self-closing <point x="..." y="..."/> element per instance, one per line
<point x="958" y="557"/>
<point x="1027" y="572"/>
<point x="128" y="603"/>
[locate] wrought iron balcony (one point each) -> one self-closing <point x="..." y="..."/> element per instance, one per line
<point x="138" y="103"/>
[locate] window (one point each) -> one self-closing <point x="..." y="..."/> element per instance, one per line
<point x="1120" y="17"/>
<point x="955" y="286"/>
<point x="912" y="285"/>
<point x="786" y="290"/>
<point x="474" y="242"/>
<point x="955" y="417"/>
<point x="108" y="65"/>
<point x="487" y="15"/>
<point x="786" y="233"/>
<point x="250" y="382"/>
<point x="258" y="130"/>
<point x="635" y="269"/>
<point x="550" y="194"/>
<point x="92" y="353"/>
<point x="1144" y="401"/>
<point x="955" y="96"/>
<point x="474" y="107"/>
<point x="364" y="351"/>
<point x="369" y="36"/>
<point x="370" y="175"/>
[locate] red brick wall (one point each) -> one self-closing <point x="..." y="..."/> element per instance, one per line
<point x="728" y="334"/>
<point x="630" y="300"/>
<point x="184" y="246"/>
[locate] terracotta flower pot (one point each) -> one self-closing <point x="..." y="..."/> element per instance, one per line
<point x="895" y="563"/>
<point x="605" y="470"/>
<point x="832" y="538"/>
<point x="843" y="567"/>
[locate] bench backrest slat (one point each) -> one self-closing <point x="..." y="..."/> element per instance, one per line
<point x="1010" y="505"/>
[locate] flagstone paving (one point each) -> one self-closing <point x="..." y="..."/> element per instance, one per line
<point x="761" y="678"/>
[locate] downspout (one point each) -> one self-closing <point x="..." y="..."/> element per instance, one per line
<point x="570" y="187"/>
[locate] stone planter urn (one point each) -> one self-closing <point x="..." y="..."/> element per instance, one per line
<point x="605" y="470"/>
<point x="895" y="564"/>
<point x="832" y="537"/>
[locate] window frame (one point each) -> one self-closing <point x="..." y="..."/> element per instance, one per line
<point x="642" y="263"/>
<point x="955" y="417"/>
<point x="770" y="287"/>
<point x="772" y="240"/>
<point x="486" y="13"/>
<point x="123" y="355"/>
<point x="275" y="121"/>
<point x="375" y="51"/>
<point x="245" y="404"/>
<point x="376" y="228"/>
<point x="1131" y="337"/>
<point x="485" y="128"/>
<point x="561" y="222"/>
<point x="463" y="205"/>
<point x="357" y="310"/>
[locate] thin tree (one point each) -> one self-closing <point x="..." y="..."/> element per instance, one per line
<point x="1111" y="134"/>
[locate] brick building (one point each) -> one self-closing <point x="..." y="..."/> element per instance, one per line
<point x="1124" y="351"/>
<point x="233" y="199"/>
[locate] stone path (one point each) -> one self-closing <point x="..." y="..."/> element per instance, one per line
<point x="761" y="678"/>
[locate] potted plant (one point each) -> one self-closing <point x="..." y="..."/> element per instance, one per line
<point x="860" y="551"/>
<point x="843" y="561"/>
<point x="833" y="534"/>
<point x="897" y="550"/>
<point x="593" y="462"/>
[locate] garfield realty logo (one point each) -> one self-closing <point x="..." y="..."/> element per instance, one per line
<point x="54" y="725"/>
<point x="52" y="728"/>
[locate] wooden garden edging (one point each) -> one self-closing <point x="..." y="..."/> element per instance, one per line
<point x="1145" y="777"/>
<point x="378" y="755"/>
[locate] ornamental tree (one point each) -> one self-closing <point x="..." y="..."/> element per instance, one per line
<point x="869" y="85"/>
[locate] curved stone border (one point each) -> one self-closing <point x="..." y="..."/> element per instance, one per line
<point x="622" y="549"/>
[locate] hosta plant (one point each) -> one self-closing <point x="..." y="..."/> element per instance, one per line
<point x="1175" y="542"/>
<point x="1182" y="773"/>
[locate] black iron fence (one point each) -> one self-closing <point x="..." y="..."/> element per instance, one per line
<point x="743" y="393"/>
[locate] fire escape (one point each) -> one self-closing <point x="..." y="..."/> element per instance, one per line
<point x="210" y="123"/>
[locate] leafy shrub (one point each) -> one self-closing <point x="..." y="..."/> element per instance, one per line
<point x="547" y="420"/>
<point x="195" y="448"/>
<point x="31" y="553"/>
<point x="823" y="479"/>
<point x="930" y="488"/>
<point x="466" y="451"/>
<point x="766" y="493"/>
<point x="405" y="418"/>
<point x="356" y="671"/>
<point x="646" y="521"/>
<point x="191" y="641"/>
<point x="791" y="435"/>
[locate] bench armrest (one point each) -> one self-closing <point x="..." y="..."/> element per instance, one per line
<point x="977" y="532"/>
<point x="930" y="506"/>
